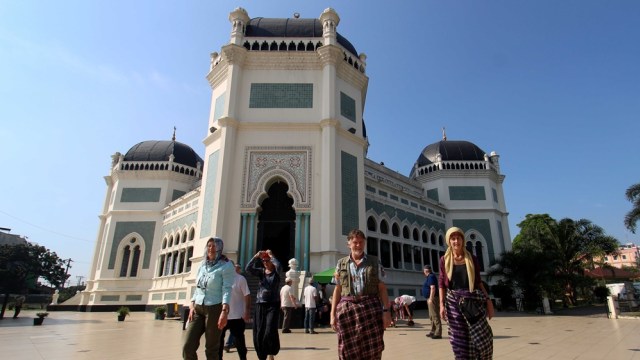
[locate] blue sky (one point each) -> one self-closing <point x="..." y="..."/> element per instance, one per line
<point x="551" y="86"/>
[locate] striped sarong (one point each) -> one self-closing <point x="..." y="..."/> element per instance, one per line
<point x="360" y="329"/>
<point x="468" y="341"/>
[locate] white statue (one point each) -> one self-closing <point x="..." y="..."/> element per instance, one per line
<point x="294" y="275"/>
<point x="54" y="297"/>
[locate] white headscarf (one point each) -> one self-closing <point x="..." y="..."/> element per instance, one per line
<point x="468" y="259"/>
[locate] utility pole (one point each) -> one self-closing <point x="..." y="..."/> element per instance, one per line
<point x="66" y="272"/>
<point x="79" y="280"/>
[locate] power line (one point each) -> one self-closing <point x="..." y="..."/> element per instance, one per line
<point x="45" y="229"/>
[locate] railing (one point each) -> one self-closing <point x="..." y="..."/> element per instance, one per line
<point x="158" y="166"/>
<point x="456" y="165"/>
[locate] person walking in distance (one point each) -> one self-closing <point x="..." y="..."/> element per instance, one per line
<point x="239" y="314"/>
<point x="310" y="295"/>
<point x="430" y="291"/>
<point x="265" y="323"/>
<point x="288" y="303"/>
<point x="18" y="306"/>
<point x="360" y="303"/>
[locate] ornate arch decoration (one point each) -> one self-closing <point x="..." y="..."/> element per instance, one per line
<point x="263" y="165"/>
<point x="268" y="179"/>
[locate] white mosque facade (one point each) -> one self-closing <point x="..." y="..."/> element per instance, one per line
<point x="285" y="168"/>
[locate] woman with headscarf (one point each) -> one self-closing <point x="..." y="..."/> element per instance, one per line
<point x="265" y="324"/>
<point x="209" y="305"/>
<point x="464" y="301"/>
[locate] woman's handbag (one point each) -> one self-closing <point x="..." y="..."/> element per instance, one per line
<point x="471" y="309"/>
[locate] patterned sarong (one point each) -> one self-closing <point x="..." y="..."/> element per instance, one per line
<point x="468" y="341"/>
<point x="360" y="329"/>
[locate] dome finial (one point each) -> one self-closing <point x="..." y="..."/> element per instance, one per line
<point x="444" y="134"/>
<point x="174" y="134"/>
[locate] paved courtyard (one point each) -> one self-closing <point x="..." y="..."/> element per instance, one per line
<point x="98" y="336"/>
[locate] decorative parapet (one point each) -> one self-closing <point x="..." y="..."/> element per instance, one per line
<point x="456" y="165"/>
<point x="159" y="166"/>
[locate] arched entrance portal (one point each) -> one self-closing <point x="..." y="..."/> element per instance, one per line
<point x="277" y="223"/>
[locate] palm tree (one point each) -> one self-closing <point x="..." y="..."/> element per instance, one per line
<point x="573" y="246"/>
<point x="567" y="246"/>
<point x="632" y="217"/>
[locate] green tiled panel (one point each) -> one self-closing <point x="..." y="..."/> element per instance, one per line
<point x="176" y="194"/>
<point x="170" y="296"/>
<point x="467" y="193"/>
<point x="281" y="96"/>
<point x="219" y="107"/>
<point x="133" y="298"/>
<point x="182" y="295"/>
<point x="349" y="174"/>
<point x="433" y="194"/>
<point x="110" y="298"/>
<point x="483" y="227"/>
<point x="180" y="222"/>
<point x="209" y="195"/>
<point x="501" y="235"/>
<point x="146" y="229"/>
<point x="347" y="107"/>
<point x="380" y="208"/>
<point x="140" y="195"/>
<point x="156" y="297"/>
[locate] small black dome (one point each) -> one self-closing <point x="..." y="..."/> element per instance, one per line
<point x="268" y="27"/>
<point x="158" y="150"/>
<point x="450" y="151"/>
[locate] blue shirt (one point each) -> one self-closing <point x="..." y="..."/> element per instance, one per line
<point x="213" y="283"/>
<point x="426" y="286"/>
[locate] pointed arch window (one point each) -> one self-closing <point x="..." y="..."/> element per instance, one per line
<point x="135" y="261"/>
<point x="189" y="256"/>
<point x="130" y="259"/>
<point x="126" y="254"/>
<point x="479" y="255"/>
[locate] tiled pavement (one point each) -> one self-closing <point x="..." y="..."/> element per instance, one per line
<point x="98" y="336"/>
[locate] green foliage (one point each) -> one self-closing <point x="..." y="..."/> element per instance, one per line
<point x="22" y="265"/>
<point x="549" y="257"/>
<point x="633" y="216"/>
<point x="123" y="311"/>
<point x="161" y="310"/>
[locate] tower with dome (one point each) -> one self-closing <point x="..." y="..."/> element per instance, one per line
<point x="285" y="168"/>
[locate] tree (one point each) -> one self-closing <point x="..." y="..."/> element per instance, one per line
<point x="632" y="217"/>
<point x="22" y="265"/>
<point x="527" y="269"/>
<point x="557" y="251"/>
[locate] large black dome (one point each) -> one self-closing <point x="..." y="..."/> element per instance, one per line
<point x="450" y="151"/>
<point x="160" y="150"/>
<point x="269" y="27"/>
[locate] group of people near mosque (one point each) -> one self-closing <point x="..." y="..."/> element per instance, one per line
<point x="360" y="309"/>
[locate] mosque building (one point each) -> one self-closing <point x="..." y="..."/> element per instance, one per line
<point x="285" y="168"/>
